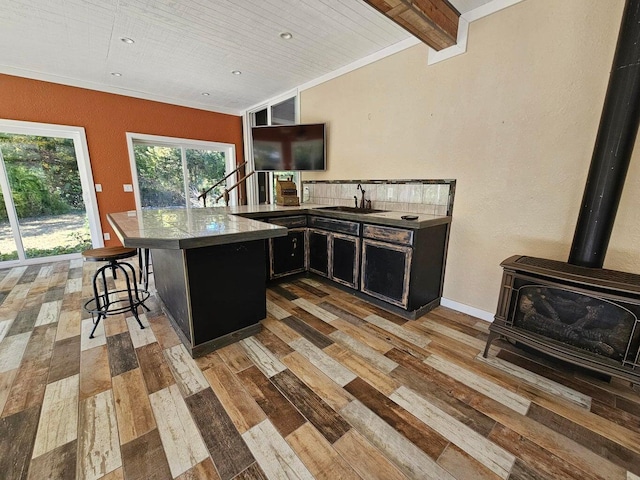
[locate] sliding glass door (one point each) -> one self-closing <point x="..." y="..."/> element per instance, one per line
<point x="43" y="210"/>
<point x="173" y="173"/>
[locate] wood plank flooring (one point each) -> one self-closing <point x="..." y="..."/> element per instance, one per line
<point x="331" y="388"/>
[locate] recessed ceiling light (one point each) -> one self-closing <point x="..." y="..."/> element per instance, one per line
<point x="205" y="94"/>
<point x="116" y="74"/>
<point x="127" y="40"/>
<point x="236" y="72"/>
<point x="286" y="36"/>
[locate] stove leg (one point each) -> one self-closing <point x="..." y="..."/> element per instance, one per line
<point x="492" y="337"/>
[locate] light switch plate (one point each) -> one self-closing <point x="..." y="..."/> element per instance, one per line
<point x="128" y="187"/>
<point x="106" y="235"/>
<point x="98" y="187"/>
<point x="389" y="193"/>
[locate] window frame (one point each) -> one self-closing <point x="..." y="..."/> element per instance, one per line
<point x="79" y="137"/>
<point x="184" y="144"/>
<point x="248" y="123"/>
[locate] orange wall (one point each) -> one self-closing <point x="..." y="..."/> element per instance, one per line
<point x="106" y="118"/>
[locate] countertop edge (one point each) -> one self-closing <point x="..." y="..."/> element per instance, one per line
<point x="187" y="242"/>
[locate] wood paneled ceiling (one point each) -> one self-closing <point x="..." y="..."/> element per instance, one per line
<point x="186" y="48"/>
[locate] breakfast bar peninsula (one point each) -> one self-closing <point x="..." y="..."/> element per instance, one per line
<point x="209" y="270"/>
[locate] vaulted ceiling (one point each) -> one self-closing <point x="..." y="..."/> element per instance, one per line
<point x="186" y="48"/>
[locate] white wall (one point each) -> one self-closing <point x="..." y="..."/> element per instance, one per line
<point x="513" y="120"/>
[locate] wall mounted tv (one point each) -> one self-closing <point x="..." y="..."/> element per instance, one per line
<point x="289" y="147"/>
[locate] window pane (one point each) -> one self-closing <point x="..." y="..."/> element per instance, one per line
<point x="160" y="177"/>
<point x="46" y="193"/>
<point x="205" y="169"/>
<point x="260" y="118"/>
<point x="284" y="113"/>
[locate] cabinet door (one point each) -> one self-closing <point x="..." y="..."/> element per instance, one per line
<point x="345" y="254"/>
<point x="287" y="254"/>
<point x="386" y="271"/>
<point x="318" y="244"/>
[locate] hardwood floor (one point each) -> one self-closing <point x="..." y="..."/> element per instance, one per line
<point x="332" y="388"/>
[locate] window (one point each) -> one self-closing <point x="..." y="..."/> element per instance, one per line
<point x="280" y="112"/>
<point x="174" y="172"/>
<point x="47" y="199"/>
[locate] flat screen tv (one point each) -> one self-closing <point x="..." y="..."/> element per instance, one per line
<point x="289" y="147"/>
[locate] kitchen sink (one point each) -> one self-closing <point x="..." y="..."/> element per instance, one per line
<point x="343" y="208"/>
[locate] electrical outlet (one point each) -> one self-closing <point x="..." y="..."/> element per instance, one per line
<point x="98" y="187"/>
<point x="389" y="193"/>
<point x="128" y="187"/>
<point x="106" y="235"/>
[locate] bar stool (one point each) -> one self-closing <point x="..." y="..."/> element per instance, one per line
<point x="108" y="302"/>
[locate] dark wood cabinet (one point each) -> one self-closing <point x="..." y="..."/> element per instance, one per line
<point x="386" y="271"/>
<point x="334" y="246"/>
<point x="344" y="259"/>
<point x="287" y="254"/>
<point x="389" y="265"/>
<point x="318" y="248"/>
<point x="404" y="267"/>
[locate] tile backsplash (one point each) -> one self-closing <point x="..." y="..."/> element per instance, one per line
<point x="418" y="196"/>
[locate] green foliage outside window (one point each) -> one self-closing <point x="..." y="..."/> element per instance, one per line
<point x="43" y="175"/>
<point x="161" y="177"/>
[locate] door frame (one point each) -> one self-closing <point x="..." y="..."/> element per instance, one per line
<point x="228" y="148"/>
<point x="78" y="135"/>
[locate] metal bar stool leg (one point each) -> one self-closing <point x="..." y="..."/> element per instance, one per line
<point x="134" y="304"/>
<point x="102" y="308"/>
<point x="143" y="267"/>
<point x="135" y="286"/>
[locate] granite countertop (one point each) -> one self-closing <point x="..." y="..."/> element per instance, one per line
<point x="182" y="228"/>
<point x="188" y="228"/>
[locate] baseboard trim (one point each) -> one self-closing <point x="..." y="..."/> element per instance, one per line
<point x="462" y="308"/>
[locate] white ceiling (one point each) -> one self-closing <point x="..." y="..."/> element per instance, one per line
<point x="186" y="47"/>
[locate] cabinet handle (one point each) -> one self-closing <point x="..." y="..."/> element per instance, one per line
<point x="295" y="246"/>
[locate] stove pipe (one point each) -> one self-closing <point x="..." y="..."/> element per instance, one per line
<point x="614" y="145"/>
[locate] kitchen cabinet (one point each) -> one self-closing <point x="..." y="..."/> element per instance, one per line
<point x="386" y="271"/>
<point x="288" y="255"/>
<point x="397" y="267"/>
<point x="403" y="267"/>
<point x="344" y="259"/>
<point x="318" y="242"/>
<point x="334" y="249"/>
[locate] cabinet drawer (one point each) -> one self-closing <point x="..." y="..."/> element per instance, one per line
<point x="334" y="225"/>
<point x="388" y="234"/>
<point x="290" y="222"/>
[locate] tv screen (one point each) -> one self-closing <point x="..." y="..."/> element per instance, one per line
<point x="289" y="147"/>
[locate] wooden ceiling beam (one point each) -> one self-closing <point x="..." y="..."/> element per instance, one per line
<point x="434" y="22"/>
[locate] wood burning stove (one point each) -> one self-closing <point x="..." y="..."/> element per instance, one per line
<point x="578" y="311"/>
<point x="585" y="316"/>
